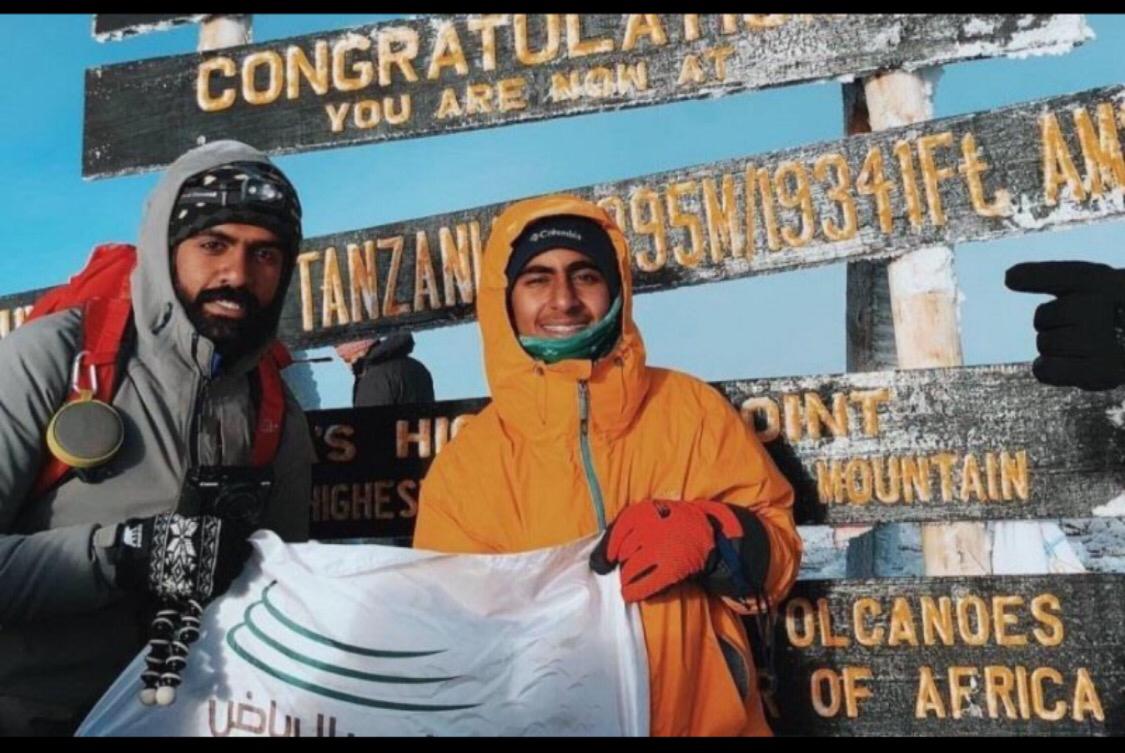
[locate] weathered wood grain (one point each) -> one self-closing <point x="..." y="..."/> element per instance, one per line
<point x="117" y="26"/>
<point x="680" y="233"/>
<point x="421" y="273"/>
<point x="876" y="636"/>
<point x="978" y="443"/>
<point x="142" y="115"/>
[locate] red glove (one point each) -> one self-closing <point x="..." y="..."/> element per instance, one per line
<point x="660" y="543"/>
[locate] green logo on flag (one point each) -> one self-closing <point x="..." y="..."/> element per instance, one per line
<point x="255" y="628"/>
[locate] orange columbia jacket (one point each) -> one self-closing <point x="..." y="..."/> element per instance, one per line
<point x="558" y="440"/>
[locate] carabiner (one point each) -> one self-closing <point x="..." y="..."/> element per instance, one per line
<point x="75" y="372"/>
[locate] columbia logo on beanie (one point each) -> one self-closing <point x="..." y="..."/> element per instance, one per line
<point x="569" y="231"/>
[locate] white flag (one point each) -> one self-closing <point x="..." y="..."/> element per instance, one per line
<point x="332" y="640"/>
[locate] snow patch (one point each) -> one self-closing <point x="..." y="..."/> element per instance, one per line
<point x="1068" y="211"/>
<point x="981" y="27"/>
<point x="117" y="36"/>
<point x="1061" y="35"/>
<point x="927" y="270"/>
<point x="886" y="39"/>
<point x="1115" y="508"/>
<point x="1116" y="415"/>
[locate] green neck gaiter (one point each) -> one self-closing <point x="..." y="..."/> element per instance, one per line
<point x="592" y="342"/>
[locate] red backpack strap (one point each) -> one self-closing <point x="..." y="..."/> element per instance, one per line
<point x="105" y="275"/>
<point x="271" y="405"/>
<point x="280" y="354"/>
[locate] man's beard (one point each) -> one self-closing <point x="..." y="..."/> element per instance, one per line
<point x="233" y="338"/>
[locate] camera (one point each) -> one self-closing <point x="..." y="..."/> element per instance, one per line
<point x="234" y="493"/>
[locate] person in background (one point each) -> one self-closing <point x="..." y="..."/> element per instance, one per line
<point x="385" y="373"/>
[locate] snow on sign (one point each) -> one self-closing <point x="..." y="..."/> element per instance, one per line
<point x="916" y="445"/>
<point x="117" y="26"/>
<point x="403" y="79"/>
<point x="952" y="656"/>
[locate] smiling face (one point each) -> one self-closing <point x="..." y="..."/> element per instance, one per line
<point x="226" y="277"/>
<point x="558" y="294"/>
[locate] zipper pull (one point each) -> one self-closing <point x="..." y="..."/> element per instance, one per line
<point x="195" y="352"/>
<point x="583" y="403"/>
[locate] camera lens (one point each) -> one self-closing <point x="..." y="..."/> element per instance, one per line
<point x="240" y="502"/>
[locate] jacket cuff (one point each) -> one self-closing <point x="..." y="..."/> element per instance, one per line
<point x="102" y="540"/>
<point x="752" y="554"/>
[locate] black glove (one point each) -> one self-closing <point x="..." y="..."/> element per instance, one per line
<point x="1082" y="333"/>
<point x="177" y="557"/>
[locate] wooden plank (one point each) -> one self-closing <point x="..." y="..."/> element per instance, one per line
<point x="371" y="462"/>
<point x="979" y="443"/>
<point x="116" y="26"/>
<point x="1026" y="655"/>
<point x="418" y="77"/>
<point x="870" y="341"/>
<point x="679" y="222"/>
<point x="681" y="234"/>
<point x="15" y="307"/>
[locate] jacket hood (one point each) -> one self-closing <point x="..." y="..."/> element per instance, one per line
<point x="392" y="346"/>
<point x="539" y="399"/>
<point x="162" y="322"/>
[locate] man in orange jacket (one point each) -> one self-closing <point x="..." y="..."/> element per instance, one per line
<point x="581" y="436"/>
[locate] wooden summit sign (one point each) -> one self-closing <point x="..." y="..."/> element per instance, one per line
<point x="1027" y="655"/>
<point x="919" y="445"/>
<point x="402" y="79"/>
<point x="1021" y="169"/>
<point x="117" y="26"/>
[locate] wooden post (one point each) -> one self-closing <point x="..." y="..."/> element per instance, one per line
<point x="921" y="291"/>
<point x="870" y="347"/>
<point x="870" y="330"/>
<point x="224" y="31"/>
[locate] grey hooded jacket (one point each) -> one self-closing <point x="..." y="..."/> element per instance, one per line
<point x="65" y="631"/>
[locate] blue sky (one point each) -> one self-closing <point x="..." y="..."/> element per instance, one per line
<point x="776" y="325"/>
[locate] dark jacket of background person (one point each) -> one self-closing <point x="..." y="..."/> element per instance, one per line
<point x="387" y="375"/>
